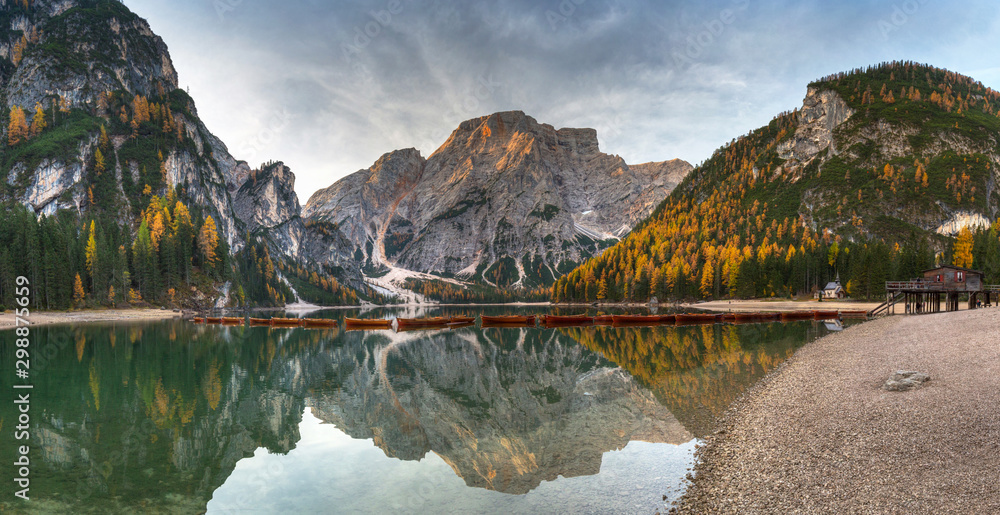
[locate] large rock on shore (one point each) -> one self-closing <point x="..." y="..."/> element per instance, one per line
<point x="903" y="380"/>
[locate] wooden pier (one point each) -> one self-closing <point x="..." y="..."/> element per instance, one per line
<point x="945" y="284"/>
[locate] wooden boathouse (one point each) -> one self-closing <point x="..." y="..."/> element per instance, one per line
<point x="945" y="283"/>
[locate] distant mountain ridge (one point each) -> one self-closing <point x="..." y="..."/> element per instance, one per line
<point x="505" y="200"/>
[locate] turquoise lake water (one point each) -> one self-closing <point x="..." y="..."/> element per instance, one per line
<point x="175" y="417"/>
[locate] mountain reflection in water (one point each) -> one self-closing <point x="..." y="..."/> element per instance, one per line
<point x="156" y="416"/>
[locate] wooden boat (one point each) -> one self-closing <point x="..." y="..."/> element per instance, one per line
<point x="729" y="317"/>
<point x="319" y="322"/>
<point x="568" y="319"/>
<point x="462" y="320"/>
<point x="508" y="319"/>
<point x="636" y="319"/>
<point x="422" y="322"/>
<point x="604" y="319"/>
<point x="825" y="315"/>
<point x="286" y="322"/>
<point x="198" y="320"/>
<point x="232" y="320"/>
<point x="213" y="320"/>
<point x="259" y="321"/>
<point x="796" y="315"/>
<point x="459" y="325"/>
<point x="667" y="319"/>
<point x="854" y="313"/>
<point x="695" y="318"/>
<point x="367" y="324"/>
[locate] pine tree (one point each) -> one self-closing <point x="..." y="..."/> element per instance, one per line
<point x="184" y="239"/>
<point x="142" y="259"/>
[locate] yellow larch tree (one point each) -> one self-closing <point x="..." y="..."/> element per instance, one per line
<point x="91" y="251"/>
<point x="208" y="241"/>
<point x="962" y="251"/>
<point x="17" y="129"/>
<point x="38" y="122"/>
<point x="78" y="293"/>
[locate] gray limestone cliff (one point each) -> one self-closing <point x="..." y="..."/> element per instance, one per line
<point x="80" y="57"/>
<point x="86" y="63"/>
<point x="505" y="199"/>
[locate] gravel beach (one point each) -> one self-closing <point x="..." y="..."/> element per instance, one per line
<point x="7" y="320"/>
<point x="820" y="435"/>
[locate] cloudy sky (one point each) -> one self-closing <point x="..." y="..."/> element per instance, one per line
<point x="329" y="86"/>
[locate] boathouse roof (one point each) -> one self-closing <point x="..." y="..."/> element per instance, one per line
<point x="953" y="267"/>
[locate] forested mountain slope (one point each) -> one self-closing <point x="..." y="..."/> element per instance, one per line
<point x="873" y="179"/>
<point x="112" y="187"/>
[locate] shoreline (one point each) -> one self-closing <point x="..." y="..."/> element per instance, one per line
<point x="38" y="318"/>
<point x="820" y="435"/>
<point x="782" y="305"/>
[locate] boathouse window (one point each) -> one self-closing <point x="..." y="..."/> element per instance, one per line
<point x="938" y="279"/>
<point x="959" y="276"/>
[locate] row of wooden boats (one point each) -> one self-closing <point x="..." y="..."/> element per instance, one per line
<point x="413" y="324"/>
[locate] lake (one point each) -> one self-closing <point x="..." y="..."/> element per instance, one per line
<point x="178" y="417"/>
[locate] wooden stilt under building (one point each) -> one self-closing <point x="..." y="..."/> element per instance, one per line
<point x="947" y="283"/>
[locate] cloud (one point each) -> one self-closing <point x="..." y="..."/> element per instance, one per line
<point x="328" y="87"/>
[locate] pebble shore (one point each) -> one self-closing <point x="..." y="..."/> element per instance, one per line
<point x="820" y="435"/>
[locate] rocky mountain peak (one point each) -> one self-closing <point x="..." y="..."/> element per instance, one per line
<point x="505" y="197"/>
<point x="514" y="132"/>
<point x="79" y="50"/>
<point x="393" y="167"/>
<point x="267" y="198"/>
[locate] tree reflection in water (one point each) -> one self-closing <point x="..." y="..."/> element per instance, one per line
<point x="155" y="416"/>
